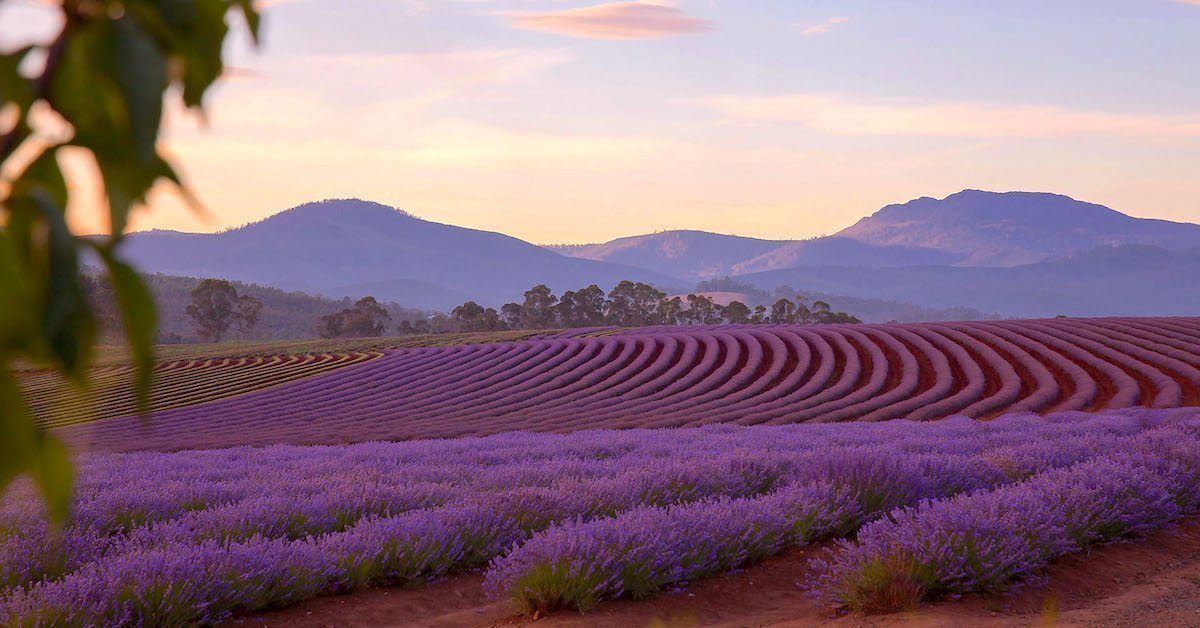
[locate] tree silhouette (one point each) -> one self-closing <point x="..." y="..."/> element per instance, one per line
<point x="537" y="312"/>
<point x="783" y="311"/>
<point x="213" y="309"/>
<point x="249" y="309"/>
<point x="670" y="311"/>
<point x="736" y="312"/>
<point x="367" y="319"/>
<point x="471" y="316"/>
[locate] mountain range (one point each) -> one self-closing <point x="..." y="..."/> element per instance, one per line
<point x="1013" y="253"/>
<point x="353" y="248"/>
<point x="969" y="228"/>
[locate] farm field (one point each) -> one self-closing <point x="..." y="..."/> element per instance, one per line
<point x="686" y="377"/>
<point x="902" y="512"/>
<point x="190" y="374"/>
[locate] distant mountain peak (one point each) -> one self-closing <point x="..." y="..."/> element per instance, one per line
<point x="339" y="211"/>
<point x="1013" y="228"/>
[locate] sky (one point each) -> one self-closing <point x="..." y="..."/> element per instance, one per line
<point x="560" y="121"/>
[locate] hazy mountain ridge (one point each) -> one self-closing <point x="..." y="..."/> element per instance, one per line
<point x="917" y="252"/>
<point x="684" y="253"/>
<point x="335" y="247"/>
<point x="1014" y="228"/>
<point x="968" y="228"/>
<point x="1125" y="280"/>
<point x="837" y="251"/>
<point x="699" y="255"/>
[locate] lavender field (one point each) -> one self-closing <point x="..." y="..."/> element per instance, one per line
<point x="568" y="521"/>
<point x="683" y="376"/>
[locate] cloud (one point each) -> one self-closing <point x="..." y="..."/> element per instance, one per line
<point x="643" y="19"/>
<point x="406" y="7"/>
<point x="824" y="27"/>
<point x="841" y="115"/>
<point x="410" y="83"/>
<point x="454" y="68"/>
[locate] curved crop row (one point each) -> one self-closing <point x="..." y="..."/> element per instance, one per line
<point x="672" y="376"/>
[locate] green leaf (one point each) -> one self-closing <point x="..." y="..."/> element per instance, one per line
<point x="140" y="71"/>
<point x="202" y="55"/>
<point x="252" y="17"/>
<point x="109" y="85"/>
<point x="83" y="89"/>
<point x="42" y="175"/>
<point x="15" y="88"/>
<point x="55" y="475"/>
<point x="18" y="444"/>
<point x="140" y="321"/>
<point x="16" y="317"/>
<point x="67" y="323"/>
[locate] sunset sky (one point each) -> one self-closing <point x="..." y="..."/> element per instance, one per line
<point x="566" y="121"/>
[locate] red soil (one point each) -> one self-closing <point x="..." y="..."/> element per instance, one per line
<point x="1153" y="582"/>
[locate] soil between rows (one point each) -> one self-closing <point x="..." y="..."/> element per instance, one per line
<point x="1150" y="582"/>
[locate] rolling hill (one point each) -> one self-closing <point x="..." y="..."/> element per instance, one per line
<point x="350" y="247"/>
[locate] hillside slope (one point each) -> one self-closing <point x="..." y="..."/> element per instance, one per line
<point x="285" y="314"/>
<point x="351" y="247"/>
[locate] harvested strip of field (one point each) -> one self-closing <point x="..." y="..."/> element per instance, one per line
<point x="176" y="383"/>
<point x="690" y="376"/>
<point x="192" y="374"/>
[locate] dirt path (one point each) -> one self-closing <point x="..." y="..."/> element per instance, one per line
<point x="1155" y="582"/>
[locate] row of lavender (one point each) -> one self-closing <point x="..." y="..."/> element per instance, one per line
<point x="568" y="520"/>
<point x="979" y="536"/>
<point x="677" y="377"/>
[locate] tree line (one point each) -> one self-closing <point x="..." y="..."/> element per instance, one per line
<point x="217" y="310"/>
<point x="631" y="304"/>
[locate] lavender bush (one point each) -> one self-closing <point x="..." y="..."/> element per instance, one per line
<point x="984" y="541"/>
<point x="642" y="551"/>
<point x="193" y="536"/>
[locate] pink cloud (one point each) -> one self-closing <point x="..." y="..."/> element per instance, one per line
<point x="614" y="20"/>
<point x="841" y="115"/>
<point x="826" y="26"/>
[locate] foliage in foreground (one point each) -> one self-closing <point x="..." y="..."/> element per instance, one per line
<point x="99" y="89"/>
